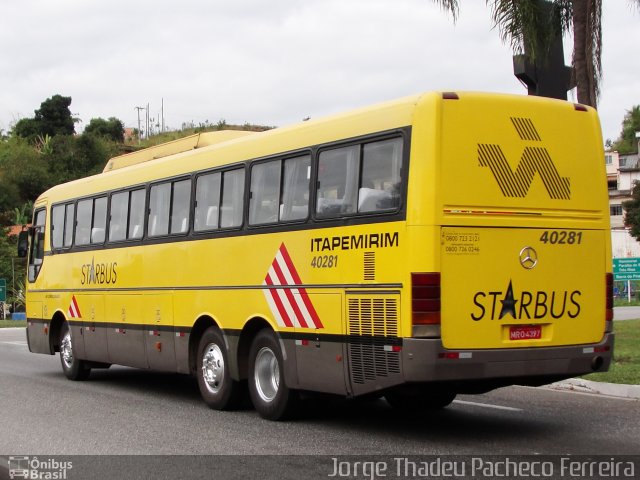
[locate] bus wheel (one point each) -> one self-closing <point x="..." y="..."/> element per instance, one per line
<point x="420" y="401"/>
<point x="270" y="395"/>
<point x="219" y="391"/>
<point x="73" y="368"/>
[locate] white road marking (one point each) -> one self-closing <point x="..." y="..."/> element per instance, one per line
<point x="488" y="405"/>
<point x="22" y="344"/>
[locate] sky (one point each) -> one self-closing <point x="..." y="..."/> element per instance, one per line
<point x="269" y="62"/>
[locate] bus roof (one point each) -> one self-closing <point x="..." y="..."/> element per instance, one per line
<point x="192" y="142"/>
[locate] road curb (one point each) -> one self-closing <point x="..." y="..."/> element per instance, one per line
<point x="598" y="388"/>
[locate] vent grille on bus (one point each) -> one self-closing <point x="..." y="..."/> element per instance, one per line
<point x="373" y="329"/>
<point x="369" y="265"/>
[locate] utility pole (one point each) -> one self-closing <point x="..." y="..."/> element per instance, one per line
<point x="139" y="133"/>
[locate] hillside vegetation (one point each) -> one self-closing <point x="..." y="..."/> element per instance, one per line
<point x="44" y="150"/>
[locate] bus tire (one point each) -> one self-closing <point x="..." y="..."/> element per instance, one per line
<point x="218" y="390"/>
<point x="73" y="368"/>
<point x="426" y="400"/>
<point x="269" y="394"/>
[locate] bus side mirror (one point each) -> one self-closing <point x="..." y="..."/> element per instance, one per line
<point x="23" y="244"/>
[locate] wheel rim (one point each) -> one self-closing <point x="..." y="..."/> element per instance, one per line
<point x="66" y="350"/>
<point x="267" y="374"/>
<point x="213" y="368"/>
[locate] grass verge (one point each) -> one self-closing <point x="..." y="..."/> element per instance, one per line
<point x="625" y="367"/>
<point x="12" y="323"/>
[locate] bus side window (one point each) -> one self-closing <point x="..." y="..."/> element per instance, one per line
<point x="136" y="214"/>
<point x="232" y="198"/>
<point x="181" y="201"/>
<point x="265" y="193"/>
<point x="99" y="225"/>
<point x="159" y="199"/>
<point x="207" y="202"/>
<point x="295" y="189"/>
<point x="83" y="222"/>
<point x="57" y="226"/>
<point x="70" y="211"/>
<point x="337" y="190"/>
<point x="380" y="178"/>
<point x="118" y="221"/>
<point x="37" y="245"/>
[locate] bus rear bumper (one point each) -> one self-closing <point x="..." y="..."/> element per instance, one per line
<point x="426" y="360"/>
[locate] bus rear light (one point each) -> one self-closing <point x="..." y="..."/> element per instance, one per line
<point x="455" y="355"/>
<point x="393" y="348"/>
<point x="600" y="349"/>
<point x="425" y="298"/>
<point x="609" y="294"/>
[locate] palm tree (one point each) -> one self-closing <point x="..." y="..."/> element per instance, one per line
<point x="519" y="24"/>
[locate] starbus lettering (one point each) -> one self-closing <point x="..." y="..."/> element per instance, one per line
<point x="354" y="242"/>
<point x="99" y="273"/>
<point x="527" y="305"/>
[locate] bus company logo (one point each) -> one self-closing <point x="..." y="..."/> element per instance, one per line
<point x="526" y="305"/>
<point x="36" y="469"/>
<point x="534" y="160"/>
<point x="290" y="306"/>
<point x="98" y="273"/>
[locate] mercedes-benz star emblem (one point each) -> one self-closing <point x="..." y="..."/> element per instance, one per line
<point x="528" y="258"/>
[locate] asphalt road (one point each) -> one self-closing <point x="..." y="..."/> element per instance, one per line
<point x="124" y="411"/>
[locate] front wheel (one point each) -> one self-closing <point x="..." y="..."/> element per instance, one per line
<point x="270" y="395"/>
<point x="219" y="391"/>
<point x="73" y="368"/>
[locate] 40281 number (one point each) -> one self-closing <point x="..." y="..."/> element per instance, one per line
<point x="561" y="237"/>
<point x="324" y="261"/>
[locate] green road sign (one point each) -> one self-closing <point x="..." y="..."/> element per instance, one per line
<point x="3" y="290"/>
<point x="626" y="268"/>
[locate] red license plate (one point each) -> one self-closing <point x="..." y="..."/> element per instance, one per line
<point x="525" y="332"/>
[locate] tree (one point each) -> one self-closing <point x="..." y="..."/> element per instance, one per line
<point x="112" y="128"/>
<point x="76" y="157"/>
<point x="52" y="118"/>
<point x="519" y="25"/>
<point x="632" y="212"/>
<point x="24" y="173"/>
<point x="627" y="141"/>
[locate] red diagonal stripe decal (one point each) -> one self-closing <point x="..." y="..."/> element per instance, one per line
<point x="287" y="291"/>
<point x="303" y="292"/>
<point x="291" y="306"/>
<point x="276" y="298"/>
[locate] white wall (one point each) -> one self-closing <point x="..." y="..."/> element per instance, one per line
<point x="624" y="245"/>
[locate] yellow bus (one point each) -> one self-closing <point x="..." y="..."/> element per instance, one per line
<point x="445" y="243"/>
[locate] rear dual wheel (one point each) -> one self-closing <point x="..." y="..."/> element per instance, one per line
<point x="219" y="391"/>
<point x="270" y="395"/>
